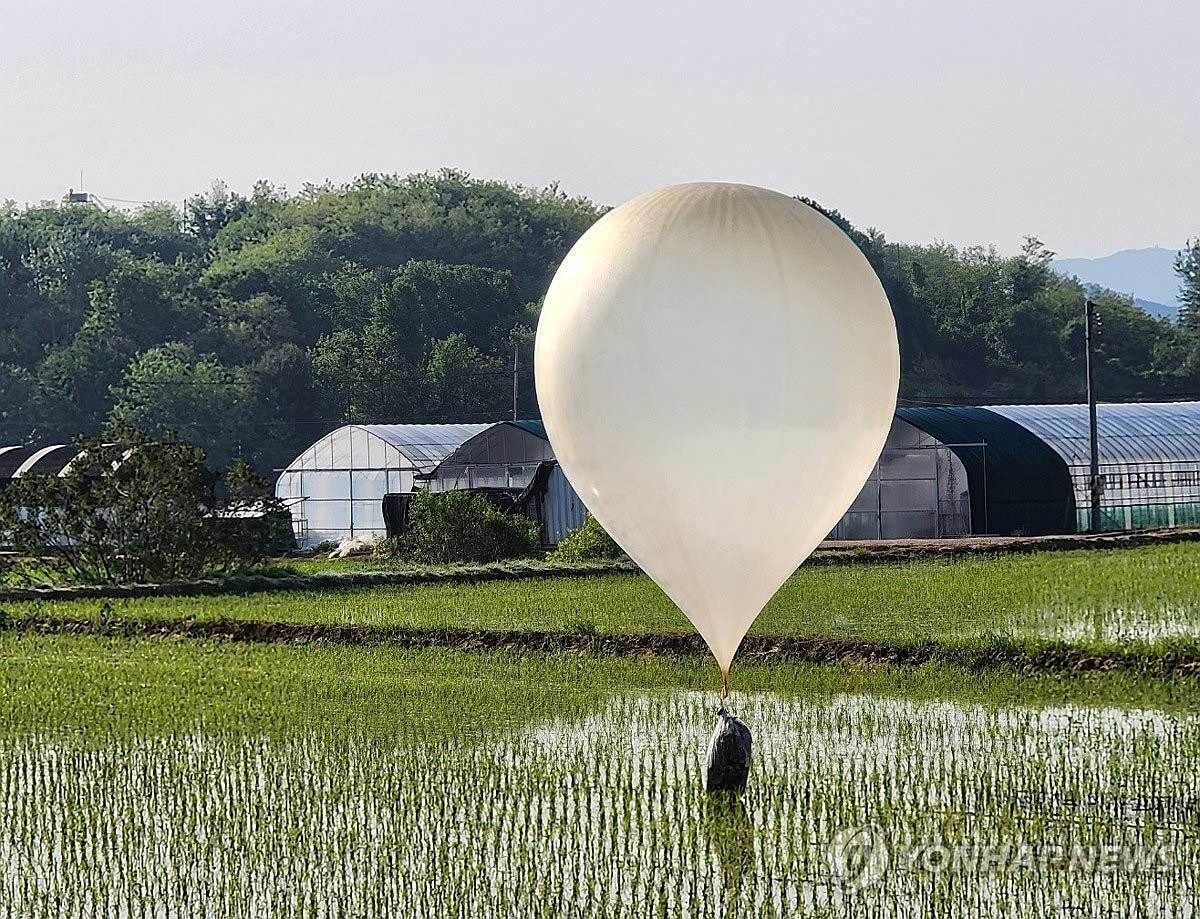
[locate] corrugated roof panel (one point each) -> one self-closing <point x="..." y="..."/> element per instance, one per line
<point x="1128" y="433"/>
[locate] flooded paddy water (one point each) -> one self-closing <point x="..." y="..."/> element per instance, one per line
<point x="859" y="804"/>
<point x="1116" y="625"/>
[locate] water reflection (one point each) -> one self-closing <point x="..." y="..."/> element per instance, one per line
<point x="600" y="813"/>
<point x="1107" y="625"/>
<point x="729" y="832"/>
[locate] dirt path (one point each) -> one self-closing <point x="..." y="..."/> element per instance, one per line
<point x="1057" y="658"/>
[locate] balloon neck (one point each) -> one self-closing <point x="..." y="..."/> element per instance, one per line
<point x="724" y="685"/>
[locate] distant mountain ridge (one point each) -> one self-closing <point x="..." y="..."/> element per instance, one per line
<point x="1148" y="275"/>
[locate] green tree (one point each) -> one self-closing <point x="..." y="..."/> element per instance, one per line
<point x="464" y="382"/>
<point x="137" y="512"/>
<point x="588" y="543"/>
<point x="430" y="345"/>
<point x="171" y="393"/>
<point x="204" y="216"/>
<point x="402" y="297"/>
<point x="20" y="412"/>
<point x="1187" y="266"/>
<point x="459" y="526"/>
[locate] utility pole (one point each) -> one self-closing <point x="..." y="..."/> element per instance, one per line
<point x="514" y="418"/>
<point x="1096" y="484"/>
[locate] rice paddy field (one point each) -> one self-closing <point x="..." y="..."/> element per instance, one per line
<point x="148" y="777"/>
<point x="1146" y="598"/>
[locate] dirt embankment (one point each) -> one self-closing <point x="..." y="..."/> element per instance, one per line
<point x="892" y="551"/>
<point x="852" y="652"/>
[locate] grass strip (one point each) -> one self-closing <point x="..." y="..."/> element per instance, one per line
<point x="979" y="656"/>
<point x="95" y="685"/>
<point x="287" y="579"/>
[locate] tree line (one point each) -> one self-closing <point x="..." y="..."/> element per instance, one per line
<point x="249" y="325"/>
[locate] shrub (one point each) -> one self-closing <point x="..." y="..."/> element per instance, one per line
<point x="458" y="526"/>
<point x="389" y="547"/>
<point x="247" y="522"/>
<point x="136" y="513"/>
<point x="589" y="543"/>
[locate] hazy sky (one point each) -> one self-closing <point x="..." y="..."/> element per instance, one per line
<point x="930" y="119"/>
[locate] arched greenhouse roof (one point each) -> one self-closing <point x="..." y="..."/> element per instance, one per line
<point x="494" y="444"/>
<point x="422" y="445"/>
<point x="1017" y="483"/>
<point x="51" y="459"/>
<point x="536" y="428"/>
<point x="1142" y="432"/>
<point x="425" y="444"/>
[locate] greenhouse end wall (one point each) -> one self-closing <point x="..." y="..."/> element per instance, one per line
<point x="917" y="490"/>
<point x="335" y="488"/>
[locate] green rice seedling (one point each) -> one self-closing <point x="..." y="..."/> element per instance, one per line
<point x="1141" y="600"/>
<point x="142" y="778"/>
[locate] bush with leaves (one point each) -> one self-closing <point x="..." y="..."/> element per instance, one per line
<point x="589" y="543"/>
<point x="139" y="512"/>
<point x="458" y="526"/>
<point x="249" y="522"/>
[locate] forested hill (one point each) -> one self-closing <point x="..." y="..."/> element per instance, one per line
<point x="251" y="325"/>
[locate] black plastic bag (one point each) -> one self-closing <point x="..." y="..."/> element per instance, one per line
<point x="728" y="755"/>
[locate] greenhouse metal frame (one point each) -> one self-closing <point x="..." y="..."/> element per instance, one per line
<point x="335" y="488"/>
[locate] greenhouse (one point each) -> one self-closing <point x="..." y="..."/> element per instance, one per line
<point x="944" y="471"/>
<point x="1149" y="459"/>
<point x="503" y="455"/>
<point x="335" y="488"/>
<point x="514" y="456"/>
<point x="918" y="489"/>
<point x="54" y="459"/>
<point x="1027" y="466"/>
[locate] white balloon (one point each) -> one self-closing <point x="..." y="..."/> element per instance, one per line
<point x="717" y="369"/>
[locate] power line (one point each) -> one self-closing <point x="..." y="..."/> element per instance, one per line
<point x="104" y="198"/>
<point x="959" y="401"/>
<point x="472" y="374"/>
